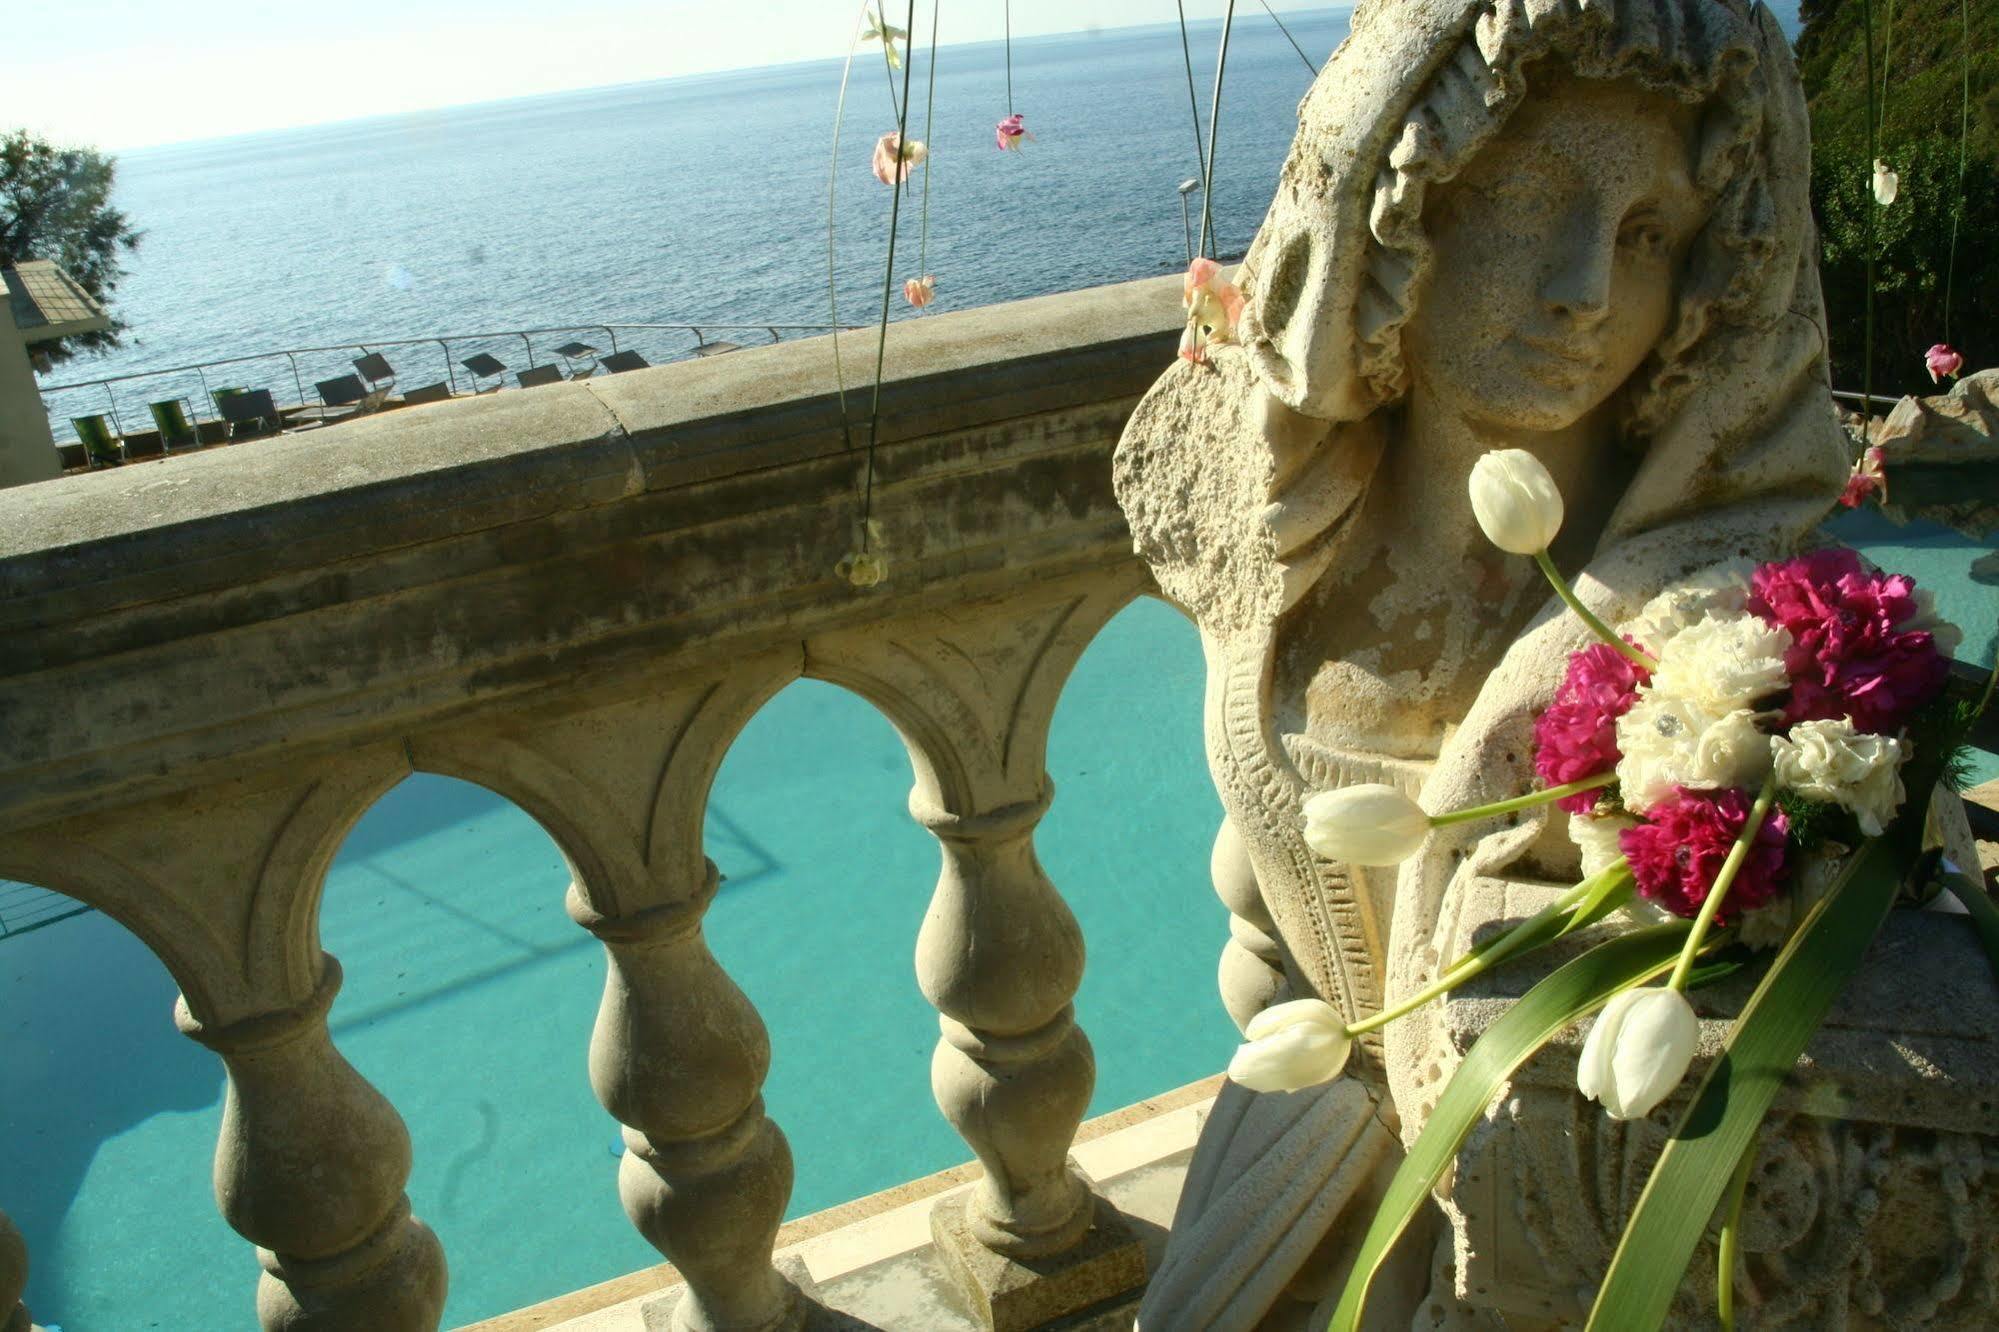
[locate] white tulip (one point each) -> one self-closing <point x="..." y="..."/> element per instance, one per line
<point x="1887" y="184"/>
<point x="1292" y="1045"/>
<point x="1638" y="1051"/>
<point x="1516" y="502"/>
<point x="1369" y="824"/>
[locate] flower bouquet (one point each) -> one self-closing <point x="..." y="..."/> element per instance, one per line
<point x="1748" y="764"/>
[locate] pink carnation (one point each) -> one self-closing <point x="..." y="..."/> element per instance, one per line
<point x="1678" y="850"/>
<point x="1847" y="656"/>
<point x="1576" y="737"/>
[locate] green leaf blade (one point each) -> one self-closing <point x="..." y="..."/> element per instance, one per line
<point x="1572" y="990"/>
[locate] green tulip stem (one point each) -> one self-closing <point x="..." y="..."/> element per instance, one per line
<point x="1602" y="630"/>
<point x="1476" y="963"/>
<point x="1730" y="867"/>
<point x="1528" y="801"/>
<point x="1731" y="1232"/>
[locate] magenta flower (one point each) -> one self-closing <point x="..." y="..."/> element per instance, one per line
<point x="1010" y="132"/>
<point x="1213" y="305"/>
<point x="1576" y="736"/>
<point x="1678" y="850"/>
<point x="1868" y="478"/>
<point x="1943" y="359"/>
<point x="1848" y="655"/>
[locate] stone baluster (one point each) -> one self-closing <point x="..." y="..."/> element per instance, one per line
<point x="310" y="1167"/>
<point x="679" y="1056"/>
<point x="1000" y="956"/>
<point x="13" y="1278"/>
<point x="1251" y="975"/>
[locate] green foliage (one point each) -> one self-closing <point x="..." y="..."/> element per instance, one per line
<point x="55" y="203"/>
<point x="1919" y="79"/>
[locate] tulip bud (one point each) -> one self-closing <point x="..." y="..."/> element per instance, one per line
<point x="1638" y="1051"/>
<point x="1515" y="501"/>
<point x="1369" y="824"/>
<point x="1292" y="1045"/>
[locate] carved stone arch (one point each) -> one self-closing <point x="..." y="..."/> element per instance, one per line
<point x="972" y="691"/>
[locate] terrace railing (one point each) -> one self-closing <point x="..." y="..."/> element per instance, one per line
<point x="577" y="597"/>
<point x="124" y="397"/>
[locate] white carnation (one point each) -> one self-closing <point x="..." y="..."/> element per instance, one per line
<point x="1722" y="589"/>
<point x="1724" y="662"/>
<point x="1664" y="742"/>
<point x="1596" y="838"/>
<point x="1829" y="760"/>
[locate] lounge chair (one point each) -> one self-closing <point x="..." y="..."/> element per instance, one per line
<point x="177" y="432"/>
<point x="73" y="456"/>
<point x="572" y="352"/>
<point x="416" y="397"/>
<point x="717" y="348"/>
<point x="375" y="371"/>
<point x="144" y="444"/>
<point x="344" y="391"/>
<point x="485" y="366"/>
<point x="619" y="362"/>
<point x="250" y="412"/>
<point x="100" y="445"/>
<point x="536" y="376"/>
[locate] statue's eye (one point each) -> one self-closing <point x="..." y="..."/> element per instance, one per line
<point x="1643" y="236"/>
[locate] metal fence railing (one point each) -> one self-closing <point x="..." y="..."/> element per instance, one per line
<point x="24" y="907"/>
<point x="126" y="399"/>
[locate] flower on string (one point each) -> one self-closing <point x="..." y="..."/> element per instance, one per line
<point x="1867" y="479"/>
<point x="887" y="34"/>
<point x="1676" y="853"/>
<point x="865" y="565"/>
<point x="1943" y="359"/>
<point x="920" y="291"/>
<point x="1213" y="305"/>
<point x="1887" y="184"/>
<point x="1010" y="133"/>
<point x="894" y="159"/>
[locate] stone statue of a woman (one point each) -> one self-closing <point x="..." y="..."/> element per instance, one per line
<point x="1577" y="227"/>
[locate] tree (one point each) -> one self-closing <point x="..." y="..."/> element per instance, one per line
<point x="55" y="203"/>
<point x="1919" y="76"/>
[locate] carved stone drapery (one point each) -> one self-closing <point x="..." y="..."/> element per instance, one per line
<point x="311" y="1161"/>
<point x="13" y="1278"/>
<point x="1251" y="976"/>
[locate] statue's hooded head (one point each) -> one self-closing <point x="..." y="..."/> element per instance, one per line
<point x="1539" y="206"/>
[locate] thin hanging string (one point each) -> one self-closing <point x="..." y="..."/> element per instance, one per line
<point x="1193" y="103"/>
<point x="888" y="287"/>
<point x="929" y="118"/>
<point x="1871" y="204"/>
<point x="1289" y="38"/>
<point x="1007" y="10"/>
<point x="1887" y="60"/>
<point x="1963" y="138"/>
<point x="832" y="265"/>
<point x="1214" y="123"/>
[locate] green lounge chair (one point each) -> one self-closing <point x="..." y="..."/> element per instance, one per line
<point x="176" y="431"/>
<point x="99" y="444"/>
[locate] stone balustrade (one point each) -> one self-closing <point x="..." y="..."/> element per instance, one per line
<point x="577" y="596"/>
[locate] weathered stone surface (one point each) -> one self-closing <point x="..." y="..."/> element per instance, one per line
<point x="1942" y="455"/>
<point x="1017" y="1294"/>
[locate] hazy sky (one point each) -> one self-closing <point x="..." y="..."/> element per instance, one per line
<point x="127" y="73"/>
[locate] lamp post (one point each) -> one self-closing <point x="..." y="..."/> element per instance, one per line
<point x="1187" y="187"/>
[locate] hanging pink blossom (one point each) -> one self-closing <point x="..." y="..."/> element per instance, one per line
<point x="1213" y="305"/>
<point x="1943" y="359"/>
<point x="1849" y="655"/>
<point x="1010" y="133"/>
<point x="919" y="291"/>
<point x="1677" y="851"/>
<point x="1576" y="735"/>
<point x="1868" y="478"/>
<point x="894" y="159"/>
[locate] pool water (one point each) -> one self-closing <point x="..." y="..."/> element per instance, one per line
<point x="470" y="995"/>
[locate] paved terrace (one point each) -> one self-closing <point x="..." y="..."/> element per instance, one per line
<point x="211" y="667"/>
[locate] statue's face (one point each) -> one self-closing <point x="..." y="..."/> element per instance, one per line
<point x="1556" y="255"/>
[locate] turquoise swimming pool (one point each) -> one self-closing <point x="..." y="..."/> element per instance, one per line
<point x="470" y="995"/>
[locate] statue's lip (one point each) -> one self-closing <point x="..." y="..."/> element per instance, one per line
<point x="1585" y="354"/>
